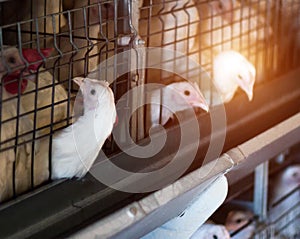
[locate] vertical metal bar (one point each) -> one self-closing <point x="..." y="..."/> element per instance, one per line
<point x="261" y="190"/>
<point x="1" y="14"/>
<point x="159" y="15"/>
<point x="35" y="109"/>
<point x="276" y="37"/>
<point x="3" y="62"/>
<point x="88" y="41"/>
<point x="199" y="43"/>
<point x="52" y="100"/>
<point x="211" y="86"/>
<point x="60" y="9"/>
<point x="241" y="35"/>
<point x="175" y="31"/>
<point x="267" y="73"/>
<point x="133" y="10"/>
<point x="18" y="110"/>
<point x="74" y="46"/>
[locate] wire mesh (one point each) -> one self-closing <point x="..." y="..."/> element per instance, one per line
<point x="37" y="93"/>
<point x="286" y="222"/>
<point x="83" y="34"/>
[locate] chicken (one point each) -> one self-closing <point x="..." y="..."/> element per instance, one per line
<point x="6" y="178"/>
<point x="46" y="98"/>
<point x="10" y="60"/>
<point x="238" y="219"/>
<point x="72" y="154"/>
<point x="284" y="183"/>
<point x="230" y="25"/>
<point x="288" y="34"/>
<point x="235" y="220"/>
<point x="174" y="97"/>
<point x="31" y="9"/>
<point x="8" y="129"/>
<point x="211" y="231"/>
<point x="246" y="233"/>
<point x="45" y="85"/>
<point x="174" y="32"/>
<point x="24" y="76"/>
<point x="230" y="30"/>
<point x="232" y="70"/>
<point x="163" y="34"/>
<point x="18" y="152"/>
<point x="88" y="41"/>
<point x="16" y="133"/>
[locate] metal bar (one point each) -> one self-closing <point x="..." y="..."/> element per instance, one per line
<point x="172" y="200"/>
<point x="263" y="147"/>
<point x="261" y="190"/>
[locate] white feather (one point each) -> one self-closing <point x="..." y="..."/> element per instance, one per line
<point x="232" y="70"/>
<point x="76" y="147"/>
<point x="173" y="98"/>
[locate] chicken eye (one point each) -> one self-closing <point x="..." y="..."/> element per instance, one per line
<point x="295" y="174"/>
<point x="12" y="60"/>
<point x="240" y="77"/>
<point x="93" y="91"/>
<point x="238" y="220"/>
<point x="215" y="237"/>
<point x="187" y="92"/>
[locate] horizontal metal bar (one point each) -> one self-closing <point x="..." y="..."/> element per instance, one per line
<point x="263" y="147"/>
<point x="141" y="217"/>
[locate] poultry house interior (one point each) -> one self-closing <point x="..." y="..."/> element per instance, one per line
<point x="123" y="119"/>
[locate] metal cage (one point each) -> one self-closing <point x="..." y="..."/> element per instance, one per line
<point x="81" y="39"/>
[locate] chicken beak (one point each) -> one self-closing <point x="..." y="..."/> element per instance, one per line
<point x="249" y="91"/>
<point x="199" y="101"/>
<point x="201" y="104"/>
<point x="204" y="106"/>
<point x="250" y="95"/>
<point x="78" y="80"/>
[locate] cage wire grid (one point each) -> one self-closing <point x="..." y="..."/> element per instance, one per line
<point x="89" y="32"/>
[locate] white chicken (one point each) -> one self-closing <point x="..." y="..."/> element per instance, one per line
<point x="167" y="100"/>
<point x="175" y="32"/>
<point x="232" y="70"/>
<point x="237" y="219"/>
<point x="89" y="23"/>
<point x="75" y="148"/>
<point x="231" y="25"/>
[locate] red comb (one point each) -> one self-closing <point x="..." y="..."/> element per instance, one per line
<point x="12" y="81"/>
<point x="32" y="55"/>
